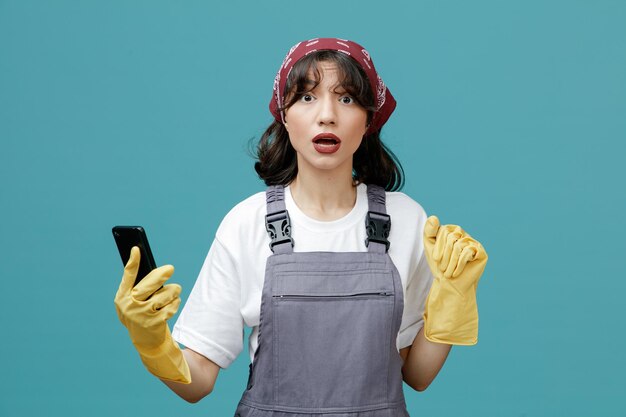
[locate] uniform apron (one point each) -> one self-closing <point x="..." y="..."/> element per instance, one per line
<point x="328" y="326"/>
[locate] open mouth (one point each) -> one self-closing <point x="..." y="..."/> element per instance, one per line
<point x="326" y="139"/>
<point x="326" y="143"/>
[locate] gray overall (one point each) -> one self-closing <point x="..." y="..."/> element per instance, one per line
<point x="328" y="326"/>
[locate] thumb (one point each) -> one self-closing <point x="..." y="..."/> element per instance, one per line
<point x="431" y="228"/>
<point x="130" y="270"/>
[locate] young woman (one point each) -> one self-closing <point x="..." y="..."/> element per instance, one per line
<point x="349" y="289"/>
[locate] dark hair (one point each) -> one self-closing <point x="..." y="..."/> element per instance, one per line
<point x="373" y="162"/>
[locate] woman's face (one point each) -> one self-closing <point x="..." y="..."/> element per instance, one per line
<point x="326" y="125"/>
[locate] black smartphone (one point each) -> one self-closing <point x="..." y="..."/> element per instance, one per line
<point x="128" y="236"/>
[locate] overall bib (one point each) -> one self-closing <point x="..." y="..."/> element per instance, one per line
<point x="328" y="326"/>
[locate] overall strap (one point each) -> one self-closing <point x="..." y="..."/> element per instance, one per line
<point x="377" y="221"/>
<point x="277" y="221"/>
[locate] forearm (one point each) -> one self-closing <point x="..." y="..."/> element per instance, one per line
<point x="424" y="361"/>
<point x="203" y="375"/>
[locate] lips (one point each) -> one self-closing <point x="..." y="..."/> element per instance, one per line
<point x="326" y="143"/>
<point x="326" y="139"/>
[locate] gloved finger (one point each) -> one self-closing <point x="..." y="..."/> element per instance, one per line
<point x="455" y="234"/>
<point x="467" y="255"/>
<point x="481" y="252"/>
<point x="441" y="240"/>
<point x="431" y="228"/>
<point x="169" y="310"/>
<point x="164" y="296"/>
<point x="152" y="282"/>
<point x="453" y="264"/>
<point x="130" y="272"/>
<point x="440" y="243"/>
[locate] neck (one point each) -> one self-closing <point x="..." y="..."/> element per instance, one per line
<point x="324" y="198"/>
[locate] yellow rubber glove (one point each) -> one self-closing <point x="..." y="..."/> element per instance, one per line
<point x="145" y="316"/>
<point x="457" y="261"/>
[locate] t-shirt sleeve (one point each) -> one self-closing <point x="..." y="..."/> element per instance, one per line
<point x="418" y="287"/>
<point x="211" y="323"/>
<point x="414" y="302"/>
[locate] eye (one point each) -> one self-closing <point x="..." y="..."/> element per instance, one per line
<point x="347" y="100"/>
<point x="307" y="98"/>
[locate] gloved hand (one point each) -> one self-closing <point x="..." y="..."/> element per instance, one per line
<point x="146" y="316"/>
<point x="457" y="261"/>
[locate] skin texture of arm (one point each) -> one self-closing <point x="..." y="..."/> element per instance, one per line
<point x="422" y="361"/>
<point x="203" y="375"/>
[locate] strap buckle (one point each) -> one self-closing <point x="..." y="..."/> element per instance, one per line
<point x="278" y="227"/>
<point x="377" y="227"/>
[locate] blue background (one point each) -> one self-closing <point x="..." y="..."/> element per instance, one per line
<point x="510" y="122"/>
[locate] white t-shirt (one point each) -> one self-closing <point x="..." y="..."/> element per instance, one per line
<point x="227" y="293"/>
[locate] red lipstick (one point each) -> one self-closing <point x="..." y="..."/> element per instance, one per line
<point x="326" y="143"/>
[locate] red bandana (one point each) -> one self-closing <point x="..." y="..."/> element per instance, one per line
<point x="385" y="103"/>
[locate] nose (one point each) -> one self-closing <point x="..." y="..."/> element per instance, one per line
<point x="327" y="112"/>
